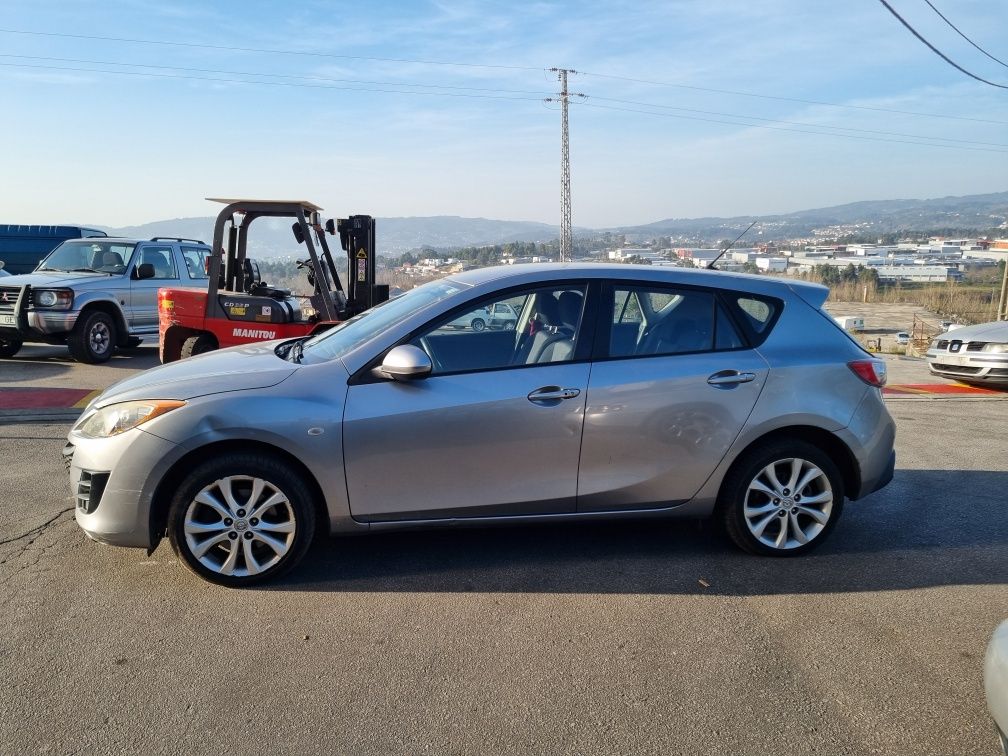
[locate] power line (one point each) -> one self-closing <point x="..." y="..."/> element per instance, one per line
<point x="471" y="95"/>
<point x="798" y="131"/>
<point x="270" y="51"/>
<point x="763" y="96"/>
<point x="77" y="69"/>
<point x="544" y="69"/>
<point x="795" y="123"/>
<point x="371" y="83"/>
<point x="271" y="75"/>
<point x="938" y="52"/>
<point x="957" y="31"/>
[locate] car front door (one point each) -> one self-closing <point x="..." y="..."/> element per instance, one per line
<point x="143" y="310"/>
<point x="676" y="389"/>
<point x="494" y="430"/>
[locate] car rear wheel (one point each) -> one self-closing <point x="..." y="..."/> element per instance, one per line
<point x="782" y="500"/>
<point x="197" y="345"/>
<point x="93" y="339"/>
<point x="9" y="347"/>
<point x="241" y="519"/>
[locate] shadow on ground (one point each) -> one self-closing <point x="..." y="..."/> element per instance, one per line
<point x="927" y="528"/>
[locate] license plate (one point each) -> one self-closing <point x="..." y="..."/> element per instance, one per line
<point x="8" y="320"/>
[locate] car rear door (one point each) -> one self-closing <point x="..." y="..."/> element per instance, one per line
<point x="674" y="387"/>
<point x="495" y="430"/>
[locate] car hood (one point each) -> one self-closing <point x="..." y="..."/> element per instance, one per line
<point x="253" y="366"/>
<point x="49" y="279"/>
<point x="997" y="331"/>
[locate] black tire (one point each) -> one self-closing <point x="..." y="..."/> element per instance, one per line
<point x="93" y="339"/>
<point x="197" y="345"/>
<point x="238" y="471"/>
<point x="779" y="535"/>
<point x="9" y="346"/>
<point x="478" y="324"/>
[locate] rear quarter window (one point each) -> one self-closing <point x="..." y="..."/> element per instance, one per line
<point x="756" y="314"/>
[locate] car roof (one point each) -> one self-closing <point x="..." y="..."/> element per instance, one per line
<point x="531" y="272"/>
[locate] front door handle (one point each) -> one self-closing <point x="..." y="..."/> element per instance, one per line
<point x="730" y="378"/>
<point x="553" y="394"/>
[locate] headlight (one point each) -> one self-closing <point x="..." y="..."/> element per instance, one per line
<point x="61" y="298"/>
<point x="118" y="418"/>
<point x="996" y="348"/>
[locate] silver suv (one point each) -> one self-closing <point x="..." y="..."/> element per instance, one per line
<point x="624" y="391"/>
<point x="96" y="294"/>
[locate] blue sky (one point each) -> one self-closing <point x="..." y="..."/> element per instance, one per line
<point x="83" y="143"/>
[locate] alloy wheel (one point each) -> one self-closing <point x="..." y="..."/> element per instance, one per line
<point x="239" y="526"/>
<point x="788" y="503"/>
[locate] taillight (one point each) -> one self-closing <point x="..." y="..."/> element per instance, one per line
<point x="872" y="372"/>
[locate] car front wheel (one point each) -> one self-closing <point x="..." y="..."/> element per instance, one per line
<point x="9" y="346"/>
<point x="478" y="324"/>
<point x="241" y="519"/>
<point x="782" y="500"/>
<point x="93" y="339"/>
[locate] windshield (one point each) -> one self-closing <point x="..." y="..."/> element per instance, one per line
<point x="88" y="255"/>
<point x="350" y="334"/>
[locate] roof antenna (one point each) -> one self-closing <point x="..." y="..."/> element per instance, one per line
<point x="710" y="265"/>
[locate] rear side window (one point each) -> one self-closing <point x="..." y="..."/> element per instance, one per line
<point x="650" y="321"/>
<point x="195" y="261"/>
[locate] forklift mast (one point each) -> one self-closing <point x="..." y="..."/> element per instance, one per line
<point x="357" y="237"/>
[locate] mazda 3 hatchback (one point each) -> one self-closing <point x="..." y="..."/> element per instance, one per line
<point x="621" y="391"/>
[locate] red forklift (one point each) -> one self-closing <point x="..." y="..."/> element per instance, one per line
<point x="239" y="308"/>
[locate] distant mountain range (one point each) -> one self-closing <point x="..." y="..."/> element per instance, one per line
<point x="978" y="212"/>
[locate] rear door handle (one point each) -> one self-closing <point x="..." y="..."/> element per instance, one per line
<point x="730" y="378"/>
<point x="553" y="394"/>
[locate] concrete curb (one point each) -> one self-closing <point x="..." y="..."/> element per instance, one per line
<point x="17" y="417"/>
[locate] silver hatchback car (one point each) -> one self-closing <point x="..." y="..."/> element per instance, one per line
<point x="621" y="391"/>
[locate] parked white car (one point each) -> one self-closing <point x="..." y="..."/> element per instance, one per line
<point x="498" y="316"/>
<point x="902" y="338"/>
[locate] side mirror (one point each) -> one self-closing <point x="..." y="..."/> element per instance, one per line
<point x="298" y="232"/>
<point x="144" y="270"/>
<point x="406" y="362"/>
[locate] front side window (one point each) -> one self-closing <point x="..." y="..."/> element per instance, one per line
<point x="358" y="330"/>
<point x="161" y="258"/>
<point x="532" y="327"/>
<point x="649" y="321"/>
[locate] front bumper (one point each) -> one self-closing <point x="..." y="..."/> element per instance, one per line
<point x="52" y="322"/>
<point x="979" y="366"/>
<point x="113" y="481"/>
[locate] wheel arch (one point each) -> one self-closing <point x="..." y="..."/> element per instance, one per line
<point x="170" y="346"/>
<point x="115" y="312"/>
<point x="822" y="439"/>
<point x="172" y="479"/>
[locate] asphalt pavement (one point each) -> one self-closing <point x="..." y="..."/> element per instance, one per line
<point x="626" y="638"/>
